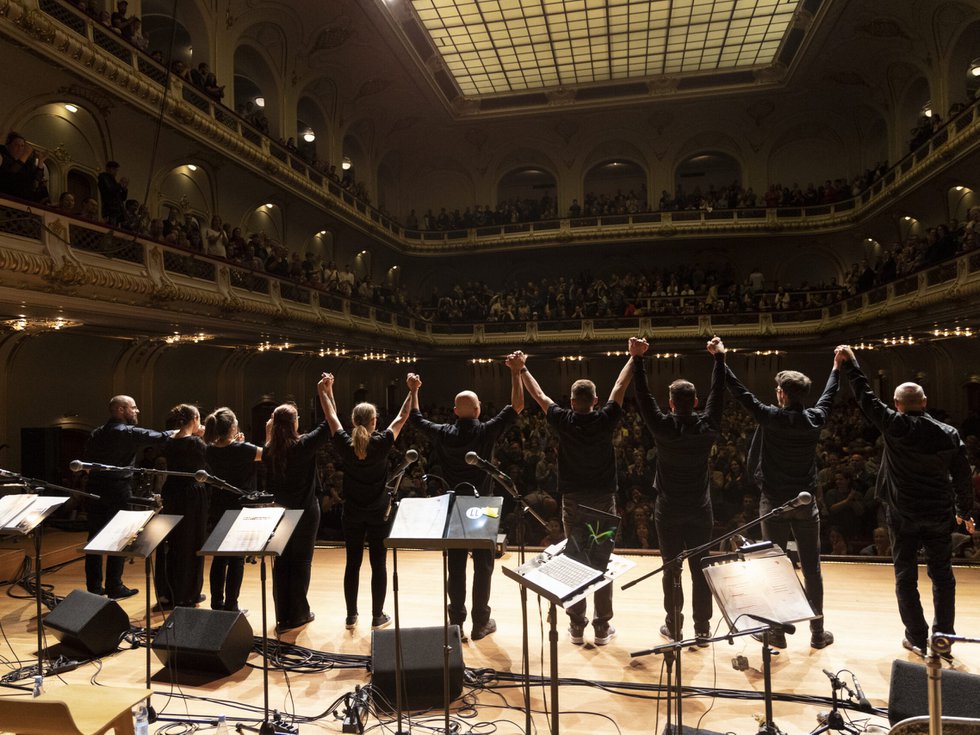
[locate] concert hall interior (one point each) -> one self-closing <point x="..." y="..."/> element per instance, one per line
<point x="215" y="203"/>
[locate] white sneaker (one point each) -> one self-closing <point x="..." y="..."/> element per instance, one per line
<point x="602" y="640"/>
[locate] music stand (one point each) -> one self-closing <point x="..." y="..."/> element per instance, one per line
<point x="111" y="543"/>
<point x="616" y="568"/>
<point x="273" y="546"/>
<point x="753" y="587"/>
<point x="444" y="522"/>
<point x="26" y="518"/>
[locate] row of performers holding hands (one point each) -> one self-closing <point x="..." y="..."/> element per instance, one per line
<point x="782" y="460"/>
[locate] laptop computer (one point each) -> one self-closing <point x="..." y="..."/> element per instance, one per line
<point x="584" y="558"/>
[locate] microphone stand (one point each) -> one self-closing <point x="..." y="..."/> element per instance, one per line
<point x="524" y="510"/>
<point x="675" y="566"/>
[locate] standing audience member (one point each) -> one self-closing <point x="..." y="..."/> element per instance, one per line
<point x="924" y="482"/>
<point x="179" y="574"/>
<point x="232" y="459"/>
<point x="782" y="459"/>
<point x="684" y="518"/>
<point x="290" y="458"/>
<point x="364" y="456"/>
<point x="586" y="474"/>
<point x="451" y="444"/>
<point x="113" y="192"/>
<point x="21" y="168"/>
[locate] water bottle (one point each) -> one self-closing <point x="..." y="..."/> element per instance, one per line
<point x="142" y="719"/>
<point x="38" y="685"/>
<point x="222" y="727"/>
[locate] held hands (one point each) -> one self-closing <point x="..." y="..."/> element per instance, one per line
<point x="716" y="346"/>
<point x="842" y="354"/>
<point x="968" y="522"/>
<point x="413" y="381"/>
<point x="326" y="382"/>
<point x="638" y="346"/>
<point x="239" y="437"/>
<point x="516" y="361"/>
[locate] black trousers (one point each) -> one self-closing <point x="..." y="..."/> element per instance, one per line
<point x="227" y="573"/>
<point x="98" y="514"/>
<point x="291" y="571"/>
<point x="357" y="529"/>
<point x="935" y="538"/>
<point x="179" y="573"/>
<point x="482" y="576"/>
<point x="602" y="599"/>
<point x="803" y="524"/>
<point x="678" y="531"/>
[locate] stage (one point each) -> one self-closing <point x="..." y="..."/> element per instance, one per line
<point x="860" y="605"/>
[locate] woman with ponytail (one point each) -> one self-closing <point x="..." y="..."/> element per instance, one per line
<point x="232" y="459"/>
<point x="179" y="575"/>
<point x="364" y="454"/>
<point x="290" y="459"/>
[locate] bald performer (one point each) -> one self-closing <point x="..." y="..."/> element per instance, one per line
<point x="924" y="483"/>
<point x="451" y="442"/>
<point x="117" y="442"/>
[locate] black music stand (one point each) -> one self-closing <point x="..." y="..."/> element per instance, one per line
<point x="617" y="567"/>
<point x="273" y="546"/>
<point x="142" y="547"/>
<point x="29" y="519"/>
<point x="463" y="523"/>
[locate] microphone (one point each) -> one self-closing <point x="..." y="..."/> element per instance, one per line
<point x="10" y="475"/>
<point x="863" y="702"/>
<point x="410" y="456"/>
<point x="203" y="478"/>
<point x="804" y="498"/>
<point x="79" y="466"/>
<point x="477" y="461"/>
<point x="774" y="624"/>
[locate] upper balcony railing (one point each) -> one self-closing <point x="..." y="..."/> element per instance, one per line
<point x="88" y="261"/>
<point x="959" y="131"/>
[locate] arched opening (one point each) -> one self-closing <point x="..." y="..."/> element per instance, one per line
<point x="707" y="175"/>
<point x="526" y="194"/>
<point x="69" y="127"/>
<point x="916" y="114"/>
<point x="616" y="186"/>
<point x="311" y="130"/>
<point x="352" y="164"/>
<point x="81" y="186"/>
<point x="192" y="44"/>
<point x="963" y="71"/>
<point x="265" y="219"/>
<point x="959" y="201"/>
<point x="256" y="96"/>
<point x="189" y="185"/>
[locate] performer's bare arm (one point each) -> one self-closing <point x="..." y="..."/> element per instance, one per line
<point x="330" y="404"/>
<point x="535" y="390"/>
<point x="623" y="381"/>
<point x="398" y="424"/>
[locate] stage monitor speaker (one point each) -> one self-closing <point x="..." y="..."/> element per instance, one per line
<point x="194" y="640"/>
<point x="422" y="664"/>
<point x="87" y="623"/>
<point x="908" y="695"/>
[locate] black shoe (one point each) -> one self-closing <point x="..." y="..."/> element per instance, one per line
<point x="482" y="631"/>
<point x="283" y="627"/>
<point x="701" y="635"/>
<point x="121" y="593"/>
<point x="201" y="597"/>
<point x="665" y="632"/>
<point x="380" y="621"/>
<point x="822" y="639"/>
<point x="919" y="651"/>
<point x="777" y="639"/>
<point x="350" y="622"/>
<point x="97" y="591"/>
<point x="162" y="606"/>
<point x="576" y="635"/>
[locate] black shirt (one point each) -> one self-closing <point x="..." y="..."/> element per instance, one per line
<point x="924" y="470"/>
<point x="296" y="487"/>
<point x="364" y="479"/>
<point x="451" y="442"/>
<point x="782" y="455"/>
<point x="683" y="441"/>
<point x="235" y="464"/>
<point x="186" y="454"/>
<point x="117" y="443"/>
<point x="586" y="459"/>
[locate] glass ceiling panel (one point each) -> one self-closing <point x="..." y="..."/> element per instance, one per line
<point x="500" y="46"/>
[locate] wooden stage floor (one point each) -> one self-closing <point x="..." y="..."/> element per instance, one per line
<point x="860" y="605"/>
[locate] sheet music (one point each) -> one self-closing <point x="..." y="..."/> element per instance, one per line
<point x="252" y="529"/>
<point x="27" y="519"/>
<point x="12" y="506"/>
<point x="121" y="530"/>
<point x="766" y="586"/>
<point x="421" y="517"/>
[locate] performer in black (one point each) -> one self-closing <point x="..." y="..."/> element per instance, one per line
<point x="782" y="460"/>
<point x="364" y="456"/>
<point x="232" y="459"/>
<point x="924" y="483"/>
<point x="451" y="443"/>
<point x="586" y="474"/>
<point x="683" y="513"/>
<point x="292" y="478"/>
<point x="116" y="442"/>
<point x="179" y="574"/>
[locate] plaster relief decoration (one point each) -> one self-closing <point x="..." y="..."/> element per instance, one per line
<point x="566" y="129"/>
<point x="371" y="87"/>
<point x="332" y="37"/>
<point x="476" y="137"/>
<point x="760" y="110"/>
<point x="659" y="121"/>
<point x="561" y="96"/>
<point x="662" y="86"/>
<point x="884" y="28"/>
<point x="94" y="96"/>
<point x="404" y="123"/>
